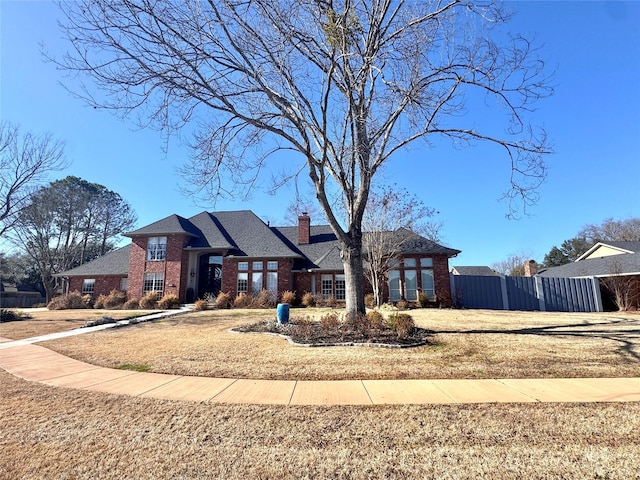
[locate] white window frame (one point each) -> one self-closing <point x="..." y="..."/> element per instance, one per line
<point x="341" y="287"/>
<point x="257" y="266"/>
<point x="156" y="248"/>
<point x="326" y="286"/>
<point x="256" y="282"/>
<point x="428" y="290"/>
<point x="243" y="283"/>
<point x="88" y="286"/>
<point x="153" y="282"/>
<point x="395" y="291"/>
<point x="272" y="282"/>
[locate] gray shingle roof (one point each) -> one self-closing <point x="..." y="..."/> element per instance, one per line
<point x="471" y="270"/>
<point x="113" y="263"/>
<point x="242" y="233"/>
<point x="627" y="264"/>
<point x="173" y="224"/>
<point x="412" y="243"/>
<point x="322" y="252"/>
<point x="250" y="236"/>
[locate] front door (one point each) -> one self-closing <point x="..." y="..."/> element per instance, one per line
<point x="210" y="275"/>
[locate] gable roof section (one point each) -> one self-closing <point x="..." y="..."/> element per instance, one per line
<point x="321" y="253"/>
<point x="622" y="247"/>
<point x="114" y="263"/>
<point x="627" y="264"/>
<point x="250" y="236"/>
<point x="412" y="243"/>
<point x="171" y="225"/>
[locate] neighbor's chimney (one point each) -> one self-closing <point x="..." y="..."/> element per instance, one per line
<point x="530" y="268"/>
<point x="304" y="229"/>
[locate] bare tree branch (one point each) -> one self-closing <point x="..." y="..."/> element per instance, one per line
<point x="345" y="83"/>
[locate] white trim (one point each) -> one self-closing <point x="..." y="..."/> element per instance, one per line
<point x="597" y="246"/>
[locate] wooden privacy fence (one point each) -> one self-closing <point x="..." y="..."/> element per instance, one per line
<point x="527" y="293"/>
<point x="20" y="299"/>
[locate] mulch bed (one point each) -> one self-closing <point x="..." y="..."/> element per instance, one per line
<point x="313" y="335"/>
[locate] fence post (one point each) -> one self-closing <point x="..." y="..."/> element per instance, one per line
<point x="505" y="295"/>
<point x="540" y="294"/>
<point x="596" y="294"/>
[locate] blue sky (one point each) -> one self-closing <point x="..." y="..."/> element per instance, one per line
<point x="593" y="121"/>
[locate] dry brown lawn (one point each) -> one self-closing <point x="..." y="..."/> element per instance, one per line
<point x="56" y="433"/>
<point x="465" y="344"/>
<point x="43" y="322"/>
<point x="48" y="432"/>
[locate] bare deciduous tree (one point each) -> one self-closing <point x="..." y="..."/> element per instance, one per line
<point x="25" y="160"/>
<point x="624" y="289"/>
<point x="390" y="217"/>
<point x="612" y="230"/>
<point x="512" y="265"/>
<point x="344" y="84"/>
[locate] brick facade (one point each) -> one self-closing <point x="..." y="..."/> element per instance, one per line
<point x="103" y="284"/>
<point x="230" y="274"/>
<point x="173" y="267"/>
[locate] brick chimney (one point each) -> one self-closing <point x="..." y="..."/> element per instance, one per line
<point x="530" y="268"/>
<point x="304" y="229"/>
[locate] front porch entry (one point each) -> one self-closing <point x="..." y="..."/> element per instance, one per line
<point x="209" y="275"/>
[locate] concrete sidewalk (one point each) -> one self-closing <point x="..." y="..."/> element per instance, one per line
<point x="39" y="364"/>
<point x="7" y="343"/>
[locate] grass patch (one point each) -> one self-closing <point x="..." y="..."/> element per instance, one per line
<point x="464" y="344"/>
<point x="134" y="367"/>
<point x="50" y="432"/>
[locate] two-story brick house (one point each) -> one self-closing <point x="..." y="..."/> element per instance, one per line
<point x="236" y="252"/>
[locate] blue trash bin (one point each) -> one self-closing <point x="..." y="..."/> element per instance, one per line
<point x="283" y="312"/>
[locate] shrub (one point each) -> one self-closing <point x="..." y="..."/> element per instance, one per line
<point x="242" y="301"/>
<point x="402" y="323"/>
<point x="359" y="324"/>
<point x="99" y="303"/>
<point x="201" y="305"/>
<point x="308" y="300"/>
<point x="303" y="327"/>
<point x="223" y="300"/>
<point x="423" y="299"/>
<point x="9" y="315"/>
<point x="264" y="299"/>
<point x="149" y="301"/>
<point x="71" y="300"/>
<point x="330" y="322"/>
<point x="370" y="300"/>
<point x="132" y="304"/>
<point x="445" y="300"/>
<point x="330" y="302"/>
<point x="402" y="305"/>
<point x="288" y="297"/>
<point x="168" y="301"/>
<point x="376" y="320"/>
<point x="115" y="299"/>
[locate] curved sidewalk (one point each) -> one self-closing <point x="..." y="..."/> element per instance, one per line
<point x="39" y="364"/>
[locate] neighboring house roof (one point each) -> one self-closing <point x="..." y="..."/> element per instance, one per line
<point x="114" y="263"/>
<point x="624" y="264"/>
<point x="471" y="270"/>
<point x="612" y="248"/>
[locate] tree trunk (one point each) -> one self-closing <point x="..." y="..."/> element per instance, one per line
<point x="354" y="276"/>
